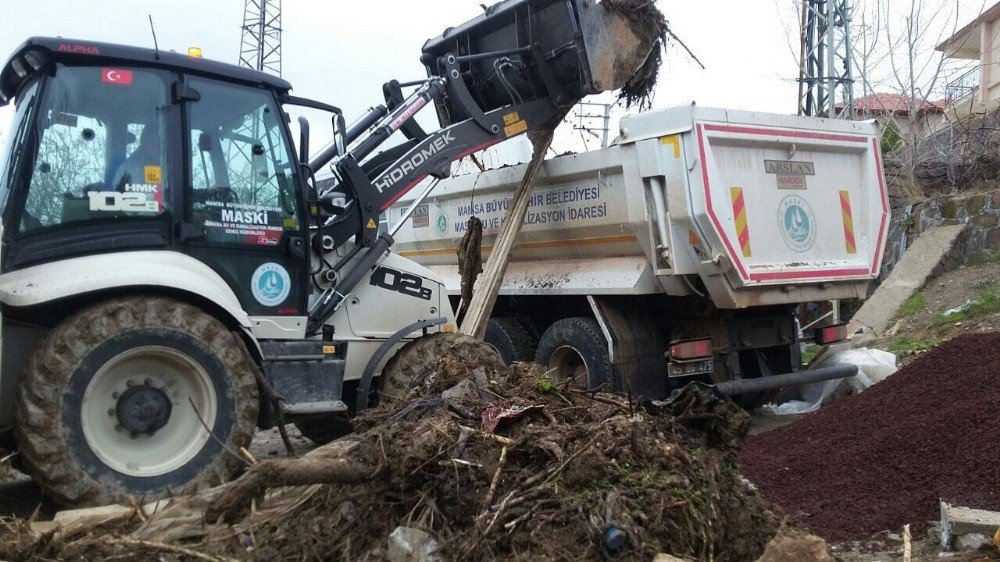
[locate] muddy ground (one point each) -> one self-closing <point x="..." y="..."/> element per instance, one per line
<point x="921" y="323"/>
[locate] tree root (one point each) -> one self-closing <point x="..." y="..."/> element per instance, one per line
<point x="340" y="462"/>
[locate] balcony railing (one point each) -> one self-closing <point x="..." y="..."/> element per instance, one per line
<point x="963" y="86"/>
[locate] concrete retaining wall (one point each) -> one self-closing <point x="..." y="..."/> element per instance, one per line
<point x="981" y="240"/>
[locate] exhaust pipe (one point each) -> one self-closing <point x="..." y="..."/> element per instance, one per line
<point x="746" y="386"/>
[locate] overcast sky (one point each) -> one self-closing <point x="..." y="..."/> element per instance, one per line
<point x="341" y="52"/>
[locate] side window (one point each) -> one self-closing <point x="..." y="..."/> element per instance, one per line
<point x="18" y="129"/>
<point x="100" y="148"/>
<point x="243" y="180"/>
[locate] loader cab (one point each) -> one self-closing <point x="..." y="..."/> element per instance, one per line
<point x="116" y="149"/>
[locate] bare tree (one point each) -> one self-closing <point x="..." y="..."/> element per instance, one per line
<point x="894" y="50"/>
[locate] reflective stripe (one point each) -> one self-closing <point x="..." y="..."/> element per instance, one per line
<point x="845" y="208"/>
<point x="740" y="216"/>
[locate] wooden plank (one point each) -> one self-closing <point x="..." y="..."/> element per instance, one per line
<point x="488" y="287"/>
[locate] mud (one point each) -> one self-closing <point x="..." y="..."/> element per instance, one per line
<point x="872" y="462"/>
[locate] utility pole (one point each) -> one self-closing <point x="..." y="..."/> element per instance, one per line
<point x="260" y="47"/>
<point x="826" y="73"/>
<point x="588" y="111"/>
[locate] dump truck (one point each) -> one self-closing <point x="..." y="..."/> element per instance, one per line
<point x="678" y="253"/>
<point x="171" y="276"/>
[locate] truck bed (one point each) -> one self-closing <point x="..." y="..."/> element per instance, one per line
<point x="751" y="208"/>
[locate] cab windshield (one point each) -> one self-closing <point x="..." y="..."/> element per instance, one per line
<point x="99" y="152"/>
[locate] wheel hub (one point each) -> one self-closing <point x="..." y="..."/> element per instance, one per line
<point x="143" y="409"/>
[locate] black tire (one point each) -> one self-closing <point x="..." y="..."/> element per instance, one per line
<point x="410" y="362"/>
<point x="511" y="338"/>
<point x="169" y="352"/>
<point x="325" y="429"/>
<point x="575" y="348"/>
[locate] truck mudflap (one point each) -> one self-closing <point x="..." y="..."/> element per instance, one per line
<point x="788" y="204"/>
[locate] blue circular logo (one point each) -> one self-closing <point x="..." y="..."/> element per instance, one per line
<point x="270" y="284"/>
<point x="798" y="223"/>
<point x="442" y="224"/>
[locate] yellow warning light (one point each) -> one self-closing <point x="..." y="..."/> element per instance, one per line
<point x="448" y="328"/>
<point x="329" y="349"/>
<point x="194" y="52"/>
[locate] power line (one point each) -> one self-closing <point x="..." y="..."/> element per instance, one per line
<point x="585" y="118"/>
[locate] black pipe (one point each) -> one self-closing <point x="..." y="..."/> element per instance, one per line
<point x="400" y="115"/>
<point x="331" y="298"/>
<point x="493" y="54"/>
<point x="746" y="386"/>
<point x="366" y="121"/>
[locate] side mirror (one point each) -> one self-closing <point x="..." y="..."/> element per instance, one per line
<point x="205" y="142"/>
<point x="339" y="133"/>
<point x="259" y="162"/>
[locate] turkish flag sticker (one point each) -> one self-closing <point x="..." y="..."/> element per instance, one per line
<point x="116" y="76"/>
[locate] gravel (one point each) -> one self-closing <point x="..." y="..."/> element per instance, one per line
<point x="875" y="461"/>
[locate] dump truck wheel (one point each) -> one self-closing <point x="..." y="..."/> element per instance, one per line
<point x="575" y="348"/>
<point x="114" y="403"/>
<point x="511" y="338"/>
<point x="409" y="364"/>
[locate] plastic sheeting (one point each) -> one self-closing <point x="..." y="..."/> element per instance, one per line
<point x="874" y="366"/>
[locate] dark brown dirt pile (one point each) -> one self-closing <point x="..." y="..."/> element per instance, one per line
<point x="559" y="468"/>
<point x="877" y="460"/>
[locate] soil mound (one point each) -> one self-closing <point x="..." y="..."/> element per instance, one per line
<point x="874" y="461"/>
<point x="492" y="463"/>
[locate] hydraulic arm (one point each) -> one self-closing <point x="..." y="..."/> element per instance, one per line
<point x="514" y="69"/>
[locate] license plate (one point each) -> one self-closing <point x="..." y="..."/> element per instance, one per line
<point x="690" y="368"/>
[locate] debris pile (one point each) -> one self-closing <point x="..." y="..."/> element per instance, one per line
<point x="877" y="460"/>
<point x="478" y="461"/>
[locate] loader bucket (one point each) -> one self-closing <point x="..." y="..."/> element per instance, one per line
<point x="522" y="50"/>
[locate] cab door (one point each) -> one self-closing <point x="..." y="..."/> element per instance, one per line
<point x="244" y="217"/>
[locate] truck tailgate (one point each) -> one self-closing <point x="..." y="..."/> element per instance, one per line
<point x="790" y="203"/>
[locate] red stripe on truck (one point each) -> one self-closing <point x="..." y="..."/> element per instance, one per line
<point x="811" y="274"/>
<point x="708" y="204"/>
<point x="885" y="206"/>
<point x="785" y="133"/>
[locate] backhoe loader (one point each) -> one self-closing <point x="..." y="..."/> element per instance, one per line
<point x="167" y="255"/>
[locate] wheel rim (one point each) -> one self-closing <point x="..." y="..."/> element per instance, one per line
<point x="567" y="363"/>
<point x="137" y="413"/>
